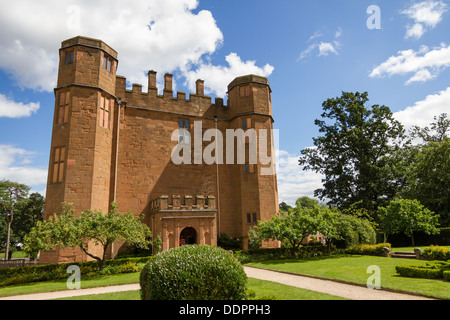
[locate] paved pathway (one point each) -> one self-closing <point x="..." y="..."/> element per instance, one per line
<point x="318" y="285"/>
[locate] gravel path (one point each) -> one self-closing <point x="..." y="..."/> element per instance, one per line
<point x="318" y="285"/>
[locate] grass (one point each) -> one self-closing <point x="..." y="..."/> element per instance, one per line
<point x="346" y="268"/>
<point x="15" y="255"/>
<point x="354" y="269"/>
<point x="59" y="285"/>
<point x="263" y="290"/>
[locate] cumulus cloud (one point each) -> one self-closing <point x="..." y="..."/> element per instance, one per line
<point x="165" y="36"/>
<point x="324" y="48"/>
<point x="426" y="15"/>
<point x="218" y="77"/>
<point x="16" y="165"/>
<point x="422" y="113"/>
<point x="12" y="109"/>
<point x="425" y="64"/>
<point x="293" y="182"/>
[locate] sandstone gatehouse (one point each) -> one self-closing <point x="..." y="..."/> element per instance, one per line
<point x="110" y="144"/>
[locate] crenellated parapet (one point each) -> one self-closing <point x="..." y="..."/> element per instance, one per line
<point x="186" y="203"/>
<point x="197" y="103"/>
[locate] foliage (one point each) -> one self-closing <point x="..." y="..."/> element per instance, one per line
<point x="304" y="251"/>
<point x="430" y="271"/>
<point x="193" y="273"/>
<point x="39" y="273"/>
<point x="355" y="153"/>
<point x="229" y="243"/>
<point x="368" y="250"/>
<point x="296" y="226"/>
<point x="91" y="227"/>
<point x="353" y="230"/>
<point x="408" y="216"/>
<point x="436" y="253"/>
<point x="11" y="193"/>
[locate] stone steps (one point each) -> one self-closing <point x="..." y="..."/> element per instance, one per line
<point x="403" y="255"/>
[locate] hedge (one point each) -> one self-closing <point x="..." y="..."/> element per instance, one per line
<point x="447" y="275"/>
<point x="437" y="270"/>
<point x="196" y="272"/>
<point x="436" y="253"/>
<point x="258" y="255"/>
<point x="369" y="249"/>
<point x="13" y="276"/>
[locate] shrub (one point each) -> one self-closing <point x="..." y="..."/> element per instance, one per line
<point x="436" y="253"/>
<point x="368" y="249"/>
<point x="196" y="272"/>
<point x="13" y="276"/>
<point x="429" y="271"/>
<point x="447" y="275"/>
<point x="229" y="243"/>
<point x="257" y="255"/>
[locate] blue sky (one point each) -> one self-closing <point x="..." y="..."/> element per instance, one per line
<point x="309" y="50"/>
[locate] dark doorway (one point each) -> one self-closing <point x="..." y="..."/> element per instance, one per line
<point x="188" y="237"/>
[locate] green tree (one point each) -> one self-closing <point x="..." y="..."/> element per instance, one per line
<point x="28" y="212"/>
<point x="293" y="228"/>
<point x="355" y="153"/>
<point x="67" y="231"/>
<point x="11" y="193"/>
<point x="429" y="173"/>
<point x="408" y="216"/>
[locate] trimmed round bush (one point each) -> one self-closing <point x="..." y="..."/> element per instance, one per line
<point x="195" y="272"/>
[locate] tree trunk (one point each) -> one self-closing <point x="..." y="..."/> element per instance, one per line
<point x="412" y="239"/>
<point x="8" y="236"/>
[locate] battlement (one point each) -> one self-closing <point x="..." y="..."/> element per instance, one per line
<point x="176" y="203"/>
<point x="137" y="98"/>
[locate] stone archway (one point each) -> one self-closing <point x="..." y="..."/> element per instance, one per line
<point x="188" y="236"/>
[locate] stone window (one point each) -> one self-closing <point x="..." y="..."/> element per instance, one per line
<point x="244" y="91"/>
<point x="63" y="108"/>
<point x="59" y="158"/>
<point x="69" y="58"/>
<point x="105" y="112"/>
<point x="107" y="63"/>
<point x="246" y="123"/>
<point x="183" y="131"/>
<point x="252" y="218"/>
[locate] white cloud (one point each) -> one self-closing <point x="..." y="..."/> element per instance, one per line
<point x="325" y="48"/>
<point x="15" y="165"/>
<point x="422" y="113"/>
<point x="426" y="14"/>
<point x="425" y="64"/>
<point x="415" y="31"/>
<point x="217" y="78"/>
<point x="293" y="182"/>
<point x="165" y="36"/>
<point x="12" y="109"/>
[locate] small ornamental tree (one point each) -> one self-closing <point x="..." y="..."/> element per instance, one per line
<point x="296" y="226"/>
<point x="408" y="216"/>
<point x="67" y="231"/>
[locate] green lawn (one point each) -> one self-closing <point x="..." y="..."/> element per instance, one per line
<point x="263" y="289"/>
<point x="59" y="285"/>
<point x="354" y="269"/>
<point x="346" y="268"/>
